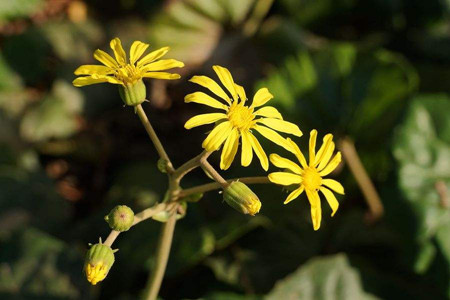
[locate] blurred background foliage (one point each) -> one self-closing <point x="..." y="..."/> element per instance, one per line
<point x="374" y="71"/>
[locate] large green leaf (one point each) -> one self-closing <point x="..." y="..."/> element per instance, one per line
<point x="322" y="278"/>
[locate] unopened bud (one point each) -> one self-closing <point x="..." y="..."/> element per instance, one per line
<point x="133" y="94"/>
<point x="99" y="261"/>
<point x="120" y="218"/>
<point x="162" y="165"/>
<point x="241" y="198"/>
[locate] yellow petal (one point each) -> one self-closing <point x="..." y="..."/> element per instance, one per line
<point x="241" y="92"/>
<point x="211" y="85"/>
<point x="87" y="80"/>
<point x="334" y="185"/>
<point x="298" y="153"/>
<point x="226" y="79"/>
<point x="281" y="125"/>
<point x="312" y="146"/>
<point x="137" y="49"/>
<point x="285" y="163"/>
<point x="163" y="64"/>
<point x="273" y="136"/>
<point x="217" y="136"/>
<point x="204" y="119"/>
<point x="261" y="97"/>
<point x="294" y="194"/>
<point x="269" y="112"/>
<point x="325" y="144"/>
<point x="247" y="152"/>
<point x="284" y="178"/>
<point x="325" y="158"/>
<point x="162" y="75"/>
<point x="105" y="59"/>
<point x="229" y="149"/>
<point x="152" y="56"/>
<point x="316" y="209"/>
<point x="93" y="69"/>
<point x="259" y="152"/>
<point x="331" y="199"/>
<point x="202" y="98"/>
<point x="331" y="166"/>
<point x="119" y="53"/>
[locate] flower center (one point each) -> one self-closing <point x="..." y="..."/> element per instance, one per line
<point x="241" y="116"/>
<point x="312" y="179"/>
<point x="128" y="74"/>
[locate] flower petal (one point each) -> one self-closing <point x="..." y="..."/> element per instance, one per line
<point x="332" y="165"/>
<point x="312" y="146"/>
<point x="204" y="119"/>
<point x="326" y="156"/>
<point x="202" y="98"/>
<point x="294" y="194"/>
<point x="87" y="80"/>
<point x="259" y="152"/>
<point x="269" y="112"/>
<point x="261" y="97"/>
<point x="281" y="125"/>
<point x="273" y="136"/>
<point x="105" y="59"/>
<point x="217" y="136"/>
<point x="298" y="153"/>
<point x="285" y="163"/>
<point x="93" y="69"/>
<point x="334" y="185"/>
<point x="327" y="140"/>
<point x="119" y="53"/>
<point x="226" y="79"/>
<point x="316" y="209"/>
<point x="137" y="49"/>
<point x="211" y="85"/>
<point x="162" y="75"/>
<point x="247" y="152"/>
<point x="229" y="149"/>
<point x="285" y="178"/>
<point x="331" y="199"/>
<point x="152" y="56"/>
<point x="241" y="92"/>
<point x="163" y="64"/>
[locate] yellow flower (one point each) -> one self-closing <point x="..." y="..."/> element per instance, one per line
<point x="127" y="72"/>
<point x="238" y="120"/>
<point x="309" y="177"/>
<point x="96" y="273"/>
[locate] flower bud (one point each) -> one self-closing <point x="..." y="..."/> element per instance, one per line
<point x="99" y="261"/>
<point x="162" y="165"/>
<point x="120" y="218"/>
<point x="241" y="198"/>
<point x="133" y="94"/>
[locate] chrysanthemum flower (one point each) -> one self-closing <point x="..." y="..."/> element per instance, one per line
<point x="127" y="73"/>
<point x="238" y="120"/>
<point x="310" y="177"/>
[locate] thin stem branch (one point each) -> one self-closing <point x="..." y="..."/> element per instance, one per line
<point x="188" y="166"/>
<point x="162" y="256"/>
<point x="215" y="185"/>
<point x="362" y="178"/>
<point x="214" y="174"/>
<point x="111" y="237"/>
<point x="152" y="134"/>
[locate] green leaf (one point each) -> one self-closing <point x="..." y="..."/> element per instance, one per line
<point x="322" y="278"/>
<point x="18" y="8"/>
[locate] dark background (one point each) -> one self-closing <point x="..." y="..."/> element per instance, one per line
<point x="376" y="71"/>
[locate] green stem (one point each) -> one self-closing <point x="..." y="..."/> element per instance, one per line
<point x="214" y="174"/>
<point x="152" y="134"/>
<point x="190" y="165"/>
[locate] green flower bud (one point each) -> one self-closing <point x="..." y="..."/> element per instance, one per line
<point x="120" y="218"/>
<point x="99" y="261"/>
<point x="162" y="165"/>
<point x="241" y="198"/>
<point x="133" y="94"/>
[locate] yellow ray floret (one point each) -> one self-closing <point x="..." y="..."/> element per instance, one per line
<point x="123" y="71"/>
<point x="238" y="121"/>
<point x="96" y="273"/>
<point x="310" y="177"/>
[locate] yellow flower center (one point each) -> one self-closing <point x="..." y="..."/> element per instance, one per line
<point x="312" y="179"/>
<point x="128" y="74"/>
<point x="241" y="116"/>
<point x="96" y="273"/>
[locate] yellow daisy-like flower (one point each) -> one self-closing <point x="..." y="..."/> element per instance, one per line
<point x="123" y="71"/>
<point x="310" y="177"/>
<point x="238" y="120"/>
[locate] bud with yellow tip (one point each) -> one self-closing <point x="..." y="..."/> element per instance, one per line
<point x="99" y="261"/>
<point x="241" y="198"/>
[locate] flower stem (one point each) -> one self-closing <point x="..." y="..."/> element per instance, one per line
<point x="162" y="256"/>
<point x="214" y="174"/>
<point x="188" y="166"/>
<point x="214" y="185"/>
<point x="152" y="134"/>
